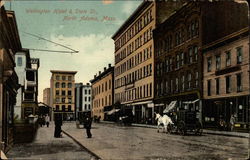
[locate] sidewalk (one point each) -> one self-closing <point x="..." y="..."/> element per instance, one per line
<point x="45" y="147"/>
<point x="205" y="131"/>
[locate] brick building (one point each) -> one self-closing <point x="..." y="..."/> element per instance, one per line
<point x="226" y="79"/>
<point x="62" y="84"/>
<point x="102" y="91"/>
<point x="134" y="62"/>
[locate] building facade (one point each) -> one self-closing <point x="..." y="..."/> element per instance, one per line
<point x="178" y="50"/>
<point x="134" y="58"/>
<point x="22" y="60"/>
<point x="62" y="84"/>
<point x="30" y="96"/>
<point x="178" y="59"/>
<point x="9" y="45"/>
<point x="226" y="80"/>
<point x="102" y="91"/>
<point x="46" y="96"/>
<point x="83" y="99"/>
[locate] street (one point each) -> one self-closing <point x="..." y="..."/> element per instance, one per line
<point x="111" y="141"/>
<point x="46" y="147"/>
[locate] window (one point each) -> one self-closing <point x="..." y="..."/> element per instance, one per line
<point x="57" y="107"/>
<point x="57" y="77"/>
<point x="89" y="92"/>
<point x="63" y="85"/>
<point x="57" y="100"/>
<point x="183" y="83"/>
<point x="70" y="78"/>
<point x="228" y="84"/>
<point x="63" y="107"/>
<point x="57" y="92"/>
<point x="89" y="106"/>
<point x="177" y="61"/>
<point x="218" y="62"/>
<point x="181" y="59"/>
<point x="189" y="80"/>
<point x="85" y="99"/>
<point x="217" y="81"/>
<point x="85" y="107"/>
<point x="239" y="55"/>
<point x="19" y="61"/>
<point x="69" y="107"/>
<point x="190" y="55"/>
<point x="63" y="100"/>
<point x="228" y="58"/>
<point x="89" y="99"/>
<point x="63" y="78"/>
<point x="209" y="64"/>
<point x="63" y="93"/>
<point x="69" y="85"/>
<point x="196" y="79"/>
<point x="57" y="84"/>
<point x="69" y="93"/>
<point x="176" y="84"/>
<point x="239" y="82"/>
<point x="195" y="53"/>
<point x="69" y="100"/>
<point x="85" y="91"/>
<point x="209" y="87"/>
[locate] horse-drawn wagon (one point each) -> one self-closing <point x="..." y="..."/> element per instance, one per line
<point x="182" y="119"/>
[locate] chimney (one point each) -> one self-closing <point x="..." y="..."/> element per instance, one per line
<point x="100" y="72"/>
<point x="105" y="68"/>
<point x="109" y="65"/>
<point x="94" y="76"/>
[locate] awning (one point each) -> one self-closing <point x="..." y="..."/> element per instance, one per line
<point x="140" y="103"/>
<point x="191" y="102"/>
<point x="160" y="104"/>
<point x="170" y="107"/>
<point x="112" y="111"/>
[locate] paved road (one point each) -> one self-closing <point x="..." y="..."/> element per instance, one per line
<point x="46" y="147"/>
<point x="118" y="142"/>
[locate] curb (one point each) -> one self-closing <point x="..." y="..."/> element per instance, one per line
<point x="89" y="151"/>
<point x="205" y="131"/>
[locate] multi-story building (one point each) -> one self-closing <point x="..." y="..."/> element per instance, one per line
<point x="46" y="96"/>
<point x="102" y="91"/>
<point x="9" y="45"/>
<point x="134" y="62"/>
<point x="178" y="50"/>
<point x="226" y="79"/>
<point x="22" y="60"/>
<point x="62" y="84"/>
<point x="30" y="97"/>
<point x="83" y="99"/>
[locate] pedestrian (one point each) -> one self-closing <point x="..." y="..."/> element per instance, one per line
<point x="58" y="124"/>
<point x="232" y="121"/>
<point x="87" y="126"/>
<point x="47" y="120"/>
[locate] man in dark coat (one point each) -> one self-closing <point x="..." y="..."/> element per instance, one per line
<point x="87" y="125"/>
<point x="58" y="124"/>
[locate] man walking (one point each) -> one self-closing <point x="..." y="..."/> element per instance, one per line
<point x="47" y="120"/>
<point x="87" y="125"/>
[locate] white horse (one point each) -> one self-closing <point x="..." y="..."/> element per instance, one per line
<point x="165" y="120"/>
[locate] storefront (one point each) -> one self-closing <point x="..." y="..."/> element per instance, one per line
<point x="221" y="110"/>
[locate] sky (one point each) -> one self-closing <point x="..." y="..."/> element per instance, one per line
<point x="85" y="26"/>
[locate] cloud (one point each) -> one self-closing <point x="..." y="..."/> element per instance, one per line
<point x="95" y="52"/>
<point x="128" y="7"/>
<point x="107" y="1"/>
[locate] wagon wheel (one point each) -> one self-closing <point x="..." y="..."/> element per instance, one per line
<point x="182" y="128"/>
<point x="198" y="129"/>
<point x="170" y="128"/>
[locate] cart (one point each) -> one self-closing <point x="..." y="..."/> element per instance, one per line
<point x="185" y="120"/>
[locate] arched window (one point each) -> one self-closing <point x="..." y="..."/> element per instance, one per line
<point x="57" y="84"/>
<point x="63" y="85"/>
